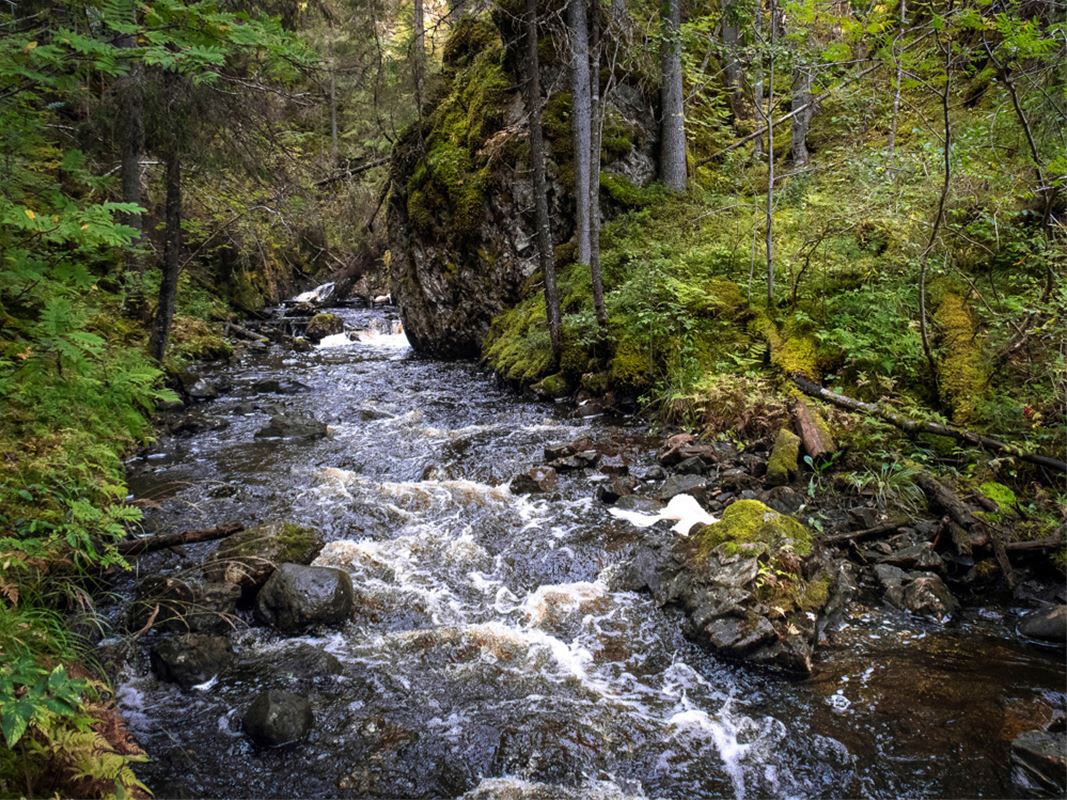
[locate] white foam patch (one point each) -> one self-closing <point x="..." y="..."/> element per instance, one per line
<point x="683" y="507"/>
<point x="334" y="340"/>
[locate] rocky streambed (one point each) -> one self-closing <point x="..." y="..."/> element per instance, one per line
<point x="444" y="590"/>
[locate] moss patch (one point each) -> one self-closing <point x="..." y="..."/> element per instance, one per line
<point x="748" y="522"/>
<point x="964" y="372"/>
<point x="782" y="466"/>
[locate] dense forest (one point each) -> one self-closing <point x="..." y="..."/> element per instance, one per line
<point x="827" y="233"/>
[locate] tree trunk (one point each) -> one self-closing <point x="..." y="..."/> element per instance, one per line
<point x="168" y="285"/>
<point x="540" y="190"/>
<point x="805" y="108"/>
<point x="769" y="222"/>
<point x="757" y="87"/>
<point x="418" y="61"/>
<point x="672" y="135"/>
<point x="897" y="83"/>
<point x="333" y="105"/>
<point x="731" y="67"/>
<point x="147" y="544"/>
<point x="578" y="30"/>
<point x="596" y="135"/>
<point x="131" y="146"/>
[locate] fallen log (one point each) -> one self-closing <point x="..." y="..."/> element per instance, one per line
<point x="814" y="432"/>
<point x="913" y="426"/>
<point x="978" y="532"/>
<point x="145" y="544"/>
<point x="1034" y="546"/>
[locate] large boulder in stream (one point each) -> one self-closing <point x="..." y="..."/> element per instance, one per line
<point x="755" y="586"/>
<point x="276" y="718"/>
<point x="322" y="325"/>
<point x="287" y="425"/>
<point x="1046" y="625"/>
<point x="462" y="242"/>
<point x="250" y="557"/>
<point x="297" y="597"/>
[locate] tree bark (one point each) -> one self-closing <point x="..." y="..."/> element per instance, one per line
<point x="581" y="117"/>
<point x="816" y="437"/>
<point x="731" y="66"/>
<point x="770" y="163"/>
<point x="168" y="285"/>
<point x="805" y="109"/>
<point x="418" y="61"/>
<point x="672" y="165"/>
<point x="130" y="91"/>
<point x="912" y="426"/>
<point x="596" y="136"/>
<point x="333" y="104"/>
<point x="540" y="189"/>
<point x="897" y="83"/>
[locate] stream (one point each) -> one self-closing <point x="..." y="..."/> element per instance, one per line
<point x="491" y="653"/>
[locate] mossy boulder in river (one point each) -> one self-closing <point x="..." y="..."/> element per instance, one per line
<point x="250" y="557"/>
<point x="755" y="586"/>
<point x="322" y="325"/>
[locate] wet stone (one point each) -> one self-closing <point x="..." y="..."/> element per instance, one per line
<point x="191" y="658"/>
<point x="921" y="593"/>
<point x="694" y="485"/>
<point x="534" y="481"/>
<point x="694" y="465"/>
<point x="1041" y="758"/>
<point x="172" y="604"/>
<point x="275" y="718"/>
<point x="1047" y="625"/>
<point x="617" y="487"/>
<point x="292" y="426"/>
<point x="247" y="559"/>
<point x="296" y="597"/>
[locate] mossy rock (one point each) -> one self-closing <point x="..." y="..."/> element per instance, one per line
<point x="553" y="387"/>
<point x="750" y="524"/>
<point x="248" y="558"/>
<point x="322" y="325"/>
<point x="631" y="367"/>
<point x="596" y="383"/>
<point x="198" y="340"/>
<point x="785" y="458"/>
<point x="470" y="36"/>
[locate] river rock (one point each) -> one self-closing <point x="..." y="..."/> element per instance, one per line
<point x="275" y="718"/>
<point x="174" y="604"/>
<point x="298" y="597"/>
<point x="755" y="586"/>
<point x="694" y="485"/>
<point x="204" y="389"/>
<point x="1041" y="758"/>
<point x="287" y="425"/>
<point x="616" y="487"/>
<point x="276" y="386"/>
<point x="783" y="464"/>
<point x="322" y="325"/>
<point x="191" y="658"/>
<point x="921" y="593"/>
<point x="533" y="481"/>
<point x="582" y="459"/>
<point x="694" y="465"/>
<point x="1047" y="625"/>
<point x="612" y="464"/>
<point x="250" y="557"/>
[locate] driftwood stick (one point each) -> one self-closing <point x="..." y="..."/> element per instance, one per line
<point x="867" y="533"/>
<point x="917" y="426"/>
<point x="1034" y="546"/>
<point x="136" y="547"/>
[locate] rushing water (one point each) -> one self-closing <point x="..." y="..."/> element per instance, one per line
<point x="492" y="652"/>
